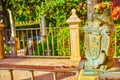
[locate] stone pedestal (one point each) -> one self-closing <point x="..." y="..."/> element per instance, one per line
<point x="86" y="77"/>
<point x="109" y="76"/>
<point x="1" y="42"/>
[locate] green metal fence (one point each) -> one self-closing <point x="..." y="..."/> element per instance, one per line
<point x="31" y="42"/>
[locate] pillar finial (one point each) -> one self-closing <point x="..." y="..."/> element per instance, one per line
<point x="73" y="11"/>
<point x="73" y="19"/>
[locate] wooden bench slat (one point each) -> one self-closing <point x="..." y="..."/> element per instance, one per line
<point x="39" y="68"/>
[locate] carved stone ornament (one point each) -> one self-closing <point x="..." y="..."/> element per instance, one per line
<point x="98" y="34"/>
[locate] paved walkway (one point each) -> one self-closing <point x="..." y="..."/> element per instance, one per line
<point x="26" y="75"/>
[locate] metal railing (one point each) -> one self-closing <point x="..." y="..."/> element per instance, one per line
<point x="32" y="43"/>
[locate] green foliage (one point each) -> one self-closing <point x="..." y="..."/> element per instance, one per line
<point x="105" y="0"/>
<point x="56" y="11"/>
<point x="7" y="48"/>
<point x="82" y="53"/>
<point x="118" y="41"/>
<point x="63" y="42"/>
<point x="60" y="45"/>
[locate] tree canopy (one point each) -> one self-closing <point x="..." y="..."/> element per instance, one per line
<point x="55" y="11"/>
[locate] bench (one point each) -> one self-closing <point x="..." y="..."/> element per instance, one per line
<point x="53" y="69"/>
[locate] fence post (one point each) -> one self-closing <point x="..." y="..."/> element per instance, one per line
<point x="16" y="45"/>
<point x="1" y="42"/>
<point x="74" y="22"/>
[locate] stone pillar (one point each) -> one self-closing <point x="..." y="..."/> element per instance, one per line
<point x="1" y="42"/>
<point x="74" y="22"/>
